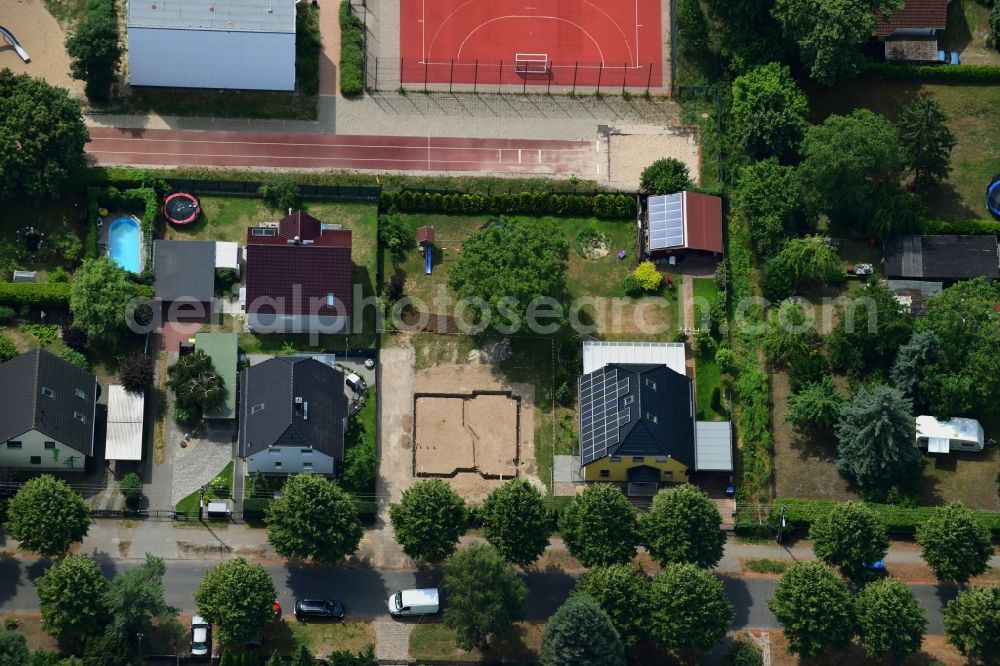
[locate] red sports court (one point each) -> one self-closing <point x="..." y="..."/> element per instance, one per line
<point x="539" y="42"/>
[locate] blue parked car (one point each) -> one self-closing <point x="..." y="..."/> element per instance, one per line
<point x="949" y="58"/>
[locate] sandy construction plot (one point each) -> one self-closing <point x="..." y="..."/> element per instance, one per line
<point x="466" y="432"/>
<point x="492" y="419"/>
<point x="443" y="442"/>
<point x="42" y="37"/>
<point x="631" y="149"/>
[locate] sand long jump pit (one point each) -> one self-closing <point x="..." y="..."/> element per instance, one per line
<point x="476" y="432"/>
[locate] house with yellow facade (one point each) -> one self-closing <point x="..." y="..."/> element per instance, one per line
<point x="637" y="418"/>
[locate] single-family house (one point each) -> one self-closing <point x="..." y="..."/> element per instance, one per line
<point x="637" y="418"/>
<point x="184" y="272"/>
<point x="47" y="414"/>
<point x="944" y="258"/>
<point x="293" y="415"/>
<point x="233" y="44"/>
<point x="298" y="277"/>
<point x="677" y="223"/>
<point x="916" y="18"/>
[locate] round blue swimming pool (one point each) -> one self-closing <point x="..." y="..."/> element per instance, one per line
<point x="125" y="243"/>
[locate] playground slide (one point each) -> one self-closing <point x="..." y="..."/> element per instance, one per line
<point x="427" y="261"/>
<point x="17" y="45"/>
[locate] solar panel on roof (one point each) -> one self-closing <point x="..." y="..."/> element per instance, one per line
<point x="599" y="414"/>
<point x="666" y="221"/>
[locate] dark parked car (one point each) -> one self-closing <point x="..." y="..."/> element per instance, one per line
<point x="319" y="609"/>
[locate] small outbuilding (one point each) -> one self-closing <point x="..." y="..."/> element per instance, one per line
<point x="955" y="434"/>
<point x="425" y="236"/>
<point x="125" y="418"/>
<point x="683" y="221"/>
<point x="944" y="258"/>
<point x="184" y="271"/>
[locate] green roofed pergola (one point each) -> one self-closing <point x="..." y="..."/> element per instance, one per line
<point x="222" y="349"/>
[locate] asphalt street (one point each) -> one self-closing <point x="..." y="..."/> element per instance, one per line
<point x="365" y="592"/>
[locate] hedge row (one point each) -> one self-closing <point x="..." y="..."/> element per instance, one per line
<point x="254" y="508"/>
<point x="35" y="294"/>
<point x="970" y="227"/>
<point x="956" y="73"/>
<point x="308" y="45"/>
<point x="352" y="52"/>
<point x="610" y="206"/>
<point x="800" y="514"/>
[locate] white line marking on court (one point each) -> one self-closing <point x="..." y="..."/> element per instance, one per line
<point x="636" y="33"/>
<point x="423" y="30"/>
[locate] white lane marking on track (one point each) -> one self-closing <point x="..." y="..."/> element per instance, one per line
<point x="320" y="145"/>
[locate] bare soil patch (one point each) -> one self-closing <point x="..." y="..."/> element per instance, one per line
<point x="935" y="651"/>
<point x="43" y="38"/>
<point x="632" y="149"/>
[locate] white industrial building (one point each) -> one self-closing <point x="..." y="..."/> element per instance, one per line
<point x="234" y="44"/>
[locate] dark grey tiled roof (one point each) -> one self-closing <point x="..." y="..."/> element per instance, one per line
<point x="270" y="416"/>
<point x="945" y="257"/>
<point x="25" y="407"/>
<point x="636" y="410"/>
<point x="184" y="270"/>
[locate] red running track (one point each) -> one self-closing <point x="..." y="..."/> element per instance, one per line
<point x="313" y="151"/>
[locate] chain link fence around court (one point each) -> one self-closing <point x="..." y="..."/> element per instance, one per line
<point x="521" y="73"/>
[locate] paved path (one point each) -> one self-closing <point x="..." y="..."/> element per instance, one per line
<point x="365" y="592"/>
<point x="392" y="641"/>
<point x="171" y="147"/>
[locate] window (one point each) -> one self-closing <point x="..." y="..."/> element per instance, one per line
<point x="277" y="464"/>
<point x="651" y="384"/>
<point x="629" y="399"/>
<point x="668" y="475"/>
<point x="47" y="392"/>
<point x="274" y="450"/>
<point x="661" y="459"/>
<point x="13" y="445"/>
<point x="49" y="446"/>
<point x="638" y="459"/>
<point x="81" y="394"/>
<point x="306" y="452"/>
<point x="257" y="408"/>
<point x="263" y="231"/>
<point x="616" y="458"/>
<point x="307" y="466"/>
<point x="651" y="417"/>
<point x="36" y="460"/>
<point x="605" y="473"/>
<point x="79" y="417"/>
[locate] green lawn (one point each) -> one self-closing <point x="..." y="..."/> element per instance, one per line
<point x="66" y="12"/>
<point x="435" y="641"/>
<point x="189" y="504"/>
<point x="51" y="218"/>
<point x="218" y="104"/>
<point x="708" y="382"/>
<point x="974" y="117"/>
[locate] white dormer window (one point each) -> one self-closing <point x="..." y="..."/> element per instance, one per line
<point x="80" y="417"/>
<point x="651" y="417"/>
<point x="81" y="394"/>
<point x="47" y="392"/>
<point x="651" y="384"/>
<point x="257" y="408"/>
<point x="629" y="399"/>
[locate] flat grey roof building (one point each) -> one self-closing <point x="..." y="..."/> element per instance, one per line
<point x="184" y="270"/>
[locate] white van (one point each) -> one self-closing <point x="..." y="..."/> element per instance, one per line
<point x="414" y="602"/>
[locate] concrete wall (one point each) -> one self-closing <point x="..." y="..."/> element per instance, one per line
<point x="268" y="322"/>
<point x="293" y="460"/>
<point x="211" y="59"/>
<point x="59" y="458"/>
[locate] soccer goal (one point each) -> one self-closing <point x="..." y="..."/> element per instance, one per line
<point x="531" y="63"/>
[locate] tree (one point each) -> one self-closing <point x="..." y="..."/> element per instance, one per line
<point x="428" y="520"/>
<point x="876" y="440"/>
<point x="14" y="649"/>
<point x="816" y="408"/>
<point x="109" y="650"/>
<point x="507" y="265"/>
<point x="280" y="194"/>
<point x="790" y="334"/>
<point x="41" y="136"/>
<point x="647" y="277"/>
<point x="624" y="594"/>
<point x="302" y="657"/>
<point x="7" y="349"/>
<point x="599" y="526"/>
<point x="313" y="518"/>
<point x="800" y="261"/>
<point x="74" y="338"/>
<point x="195" y="382"/>
<point x="683" y="526"/>
<point x="845" y="159"/>
<point x="829" y="32"/>
<point x="136" y="372"/>
<point x="275" y="660"/>
<point x="972" y="622"/>
<point x="956" y="545"/>
<point x="360" y="468"/>
<point x="515" y="521"/>
<point x="134" y="599"/>
<point x="485" y="596"/>
<point x="849" y="537"/>
<point x="769" y="112"/>
<point x="690" y="609"/>
<point x="921" y="350"/>
<point x="964" y="377"/>
<point x="926" y="141"/>
<point x="768" y="198"/>
<point x="869" y="342"/>
<point x="46" y="516"/>
<point x="71" y="597"/>
<point x="237" y="597"/>
<point x="890" y="621"/>
<point x="580" y="634"/>
<point x="747" y="33"/>
<point x="692" y="26"/>
<point x="99" y="299"/>
<point x="665" y="176"/>
<point x="814" y="608"/>
<point x="76" y="358"/>
<point x="395" y="235"/>
<point x="94" y="49"/>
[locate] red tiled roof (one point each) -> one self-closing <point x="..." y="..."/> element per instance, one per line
<point x="300" y="276"/>
<point x="425" y="235"/>
<point x="914" y="14"/>
<point x="703" y="222"/>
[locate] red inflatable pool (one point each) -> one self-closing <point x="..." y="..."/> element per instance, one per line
<point x="181" y="208"/>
